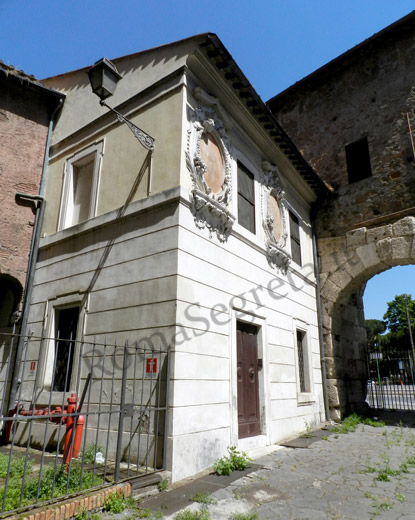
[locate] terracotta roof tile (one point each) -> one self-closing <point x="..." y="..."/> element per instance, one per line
<point x="9" y="69"/>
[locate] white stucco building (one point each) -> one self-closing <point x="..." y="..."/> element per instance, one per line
<point x="204" y="247"/>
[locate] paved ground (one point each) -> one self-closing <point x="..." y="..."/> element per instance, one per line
<point x="367" y="474"/>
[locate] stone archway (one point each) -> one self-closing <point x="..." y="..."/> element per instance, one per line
<point x="346" y="264"/>
<point x="10" y="296"/>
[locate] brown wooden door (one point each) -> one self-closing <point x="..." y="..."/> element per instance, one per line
<point x="247" y="376"/>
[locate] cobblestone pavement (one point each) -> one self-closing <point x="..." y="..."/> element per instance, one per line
<point x="366" y="474"/>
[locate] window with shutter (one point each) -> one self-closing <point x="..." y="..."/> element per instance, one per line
<point x="246" y="198"/>
<point x="295" y="239"/>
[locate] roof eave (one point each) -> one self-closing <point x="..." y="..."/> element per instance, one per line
<point x="52" y="94"/>
<point x="224" y="62"/>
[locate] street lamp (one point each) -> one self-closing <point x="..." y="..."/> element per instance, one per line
<point x="103" y="77"/>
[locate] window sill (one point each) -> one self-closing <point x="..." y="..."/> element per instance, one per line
<point x="57" y="398"/>
<point x="305" y="398"/>
<point x="248" y="237"/>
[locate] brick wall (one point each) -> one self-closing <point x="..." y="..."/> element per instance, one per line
<point x="24" y="119"/>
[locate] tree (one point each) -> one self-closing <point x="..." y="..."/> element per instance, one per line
<point x="395" y="316"/>
<point x="373" y="329"/>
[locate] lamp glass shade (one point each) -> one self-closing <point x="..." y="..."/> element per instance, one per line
<point x="103" y="76"/>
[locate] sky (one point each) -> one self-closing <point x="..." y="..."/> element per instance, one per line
<point x="274" y="42"/>
<point x="383" y="288"/>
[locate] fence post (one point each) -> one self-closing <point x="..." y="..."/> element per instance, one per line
<point x="166" y="413"/>
<point x="122" y="413"/>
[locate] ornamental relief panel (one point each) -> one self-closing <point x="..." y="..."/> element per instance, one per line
<point x="274" y="215"/>
<point x="208" y="161"/>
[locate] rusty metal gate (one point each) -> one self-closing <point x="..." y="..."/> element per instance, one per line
<point x="83" y="415"/>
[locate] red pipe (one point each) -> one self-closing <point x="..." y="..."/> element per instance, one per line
<point x="9" y="425"/>
<point x="68" y="419"/>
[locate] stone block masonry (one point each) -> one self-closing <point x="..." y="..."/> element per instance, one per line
<point x="364" y="97"/>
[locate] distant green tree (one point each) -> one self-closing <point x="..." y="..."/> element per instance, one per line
<point x="395" y="316"/>
<point x="373" y="329"/>
<point x="391" y="337"/>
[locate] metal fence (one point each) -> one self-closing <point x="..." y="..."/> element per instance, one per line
<point x="78" y="415"/>
<point x="391" y="380"/>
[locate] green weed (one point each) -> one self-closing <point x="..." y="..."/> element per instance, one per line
<point x="372" y="422"/>
<point x="82" y="515"/>
<point x="410" y="461"/>
<point x="308" y="433"/>
<point x="114" y="503"/>
<point x="236" y="460"/>
<point x="163" y="484"/>
<point x="404" y="468"/>
<point x="350" y="423"/>
<point x="192" y="515"/>
<point x="377" y="504"/>
<point x="202" y="498"/>
<point x="90" y="452"/>
<point x="17" y="465"/>
<point x="147" y="513"/>
<point x="64" y="482"/>
<point x="244" y="516"/>
<point x="411" y="441"/>
<point x="386" y="505"/>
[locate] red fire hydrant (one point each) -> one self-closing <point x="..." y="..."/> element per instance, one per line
<point x="70" y="420"/>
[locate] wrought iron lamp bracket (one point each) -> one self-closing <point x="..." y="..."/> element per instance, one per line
<point x="146" y="140"/>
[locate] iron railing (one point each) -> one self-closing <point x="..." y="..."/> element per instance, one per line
<point x="391" y="382"/>
<point x="387" y="396"/>
<point x="106" y="425"/>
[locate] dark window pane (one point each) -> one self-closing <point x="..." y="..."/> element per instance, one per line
<point x="246" y="214"/>
<point x="296" y="252"/>
<point x="66" y="324"/>
<point x="300" y="354"/>
<point x="295" y="239"/>
<point x="246" y="198"/>
<point x="245" y="183"/>
<point x="358" y="160"/>
<point x="294" y="227"/>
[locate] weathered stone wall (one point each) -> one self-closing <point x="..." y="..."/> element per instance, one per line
<point x="24" y="119"/>
<point x="347" y="263"/>
<point x="366" y="93"/>
<point x="368" y="226"/>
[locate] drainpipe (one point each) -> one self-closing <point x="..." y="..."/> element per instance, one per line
<point x="320" y="321"/>
<point x="34" y="248"/>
